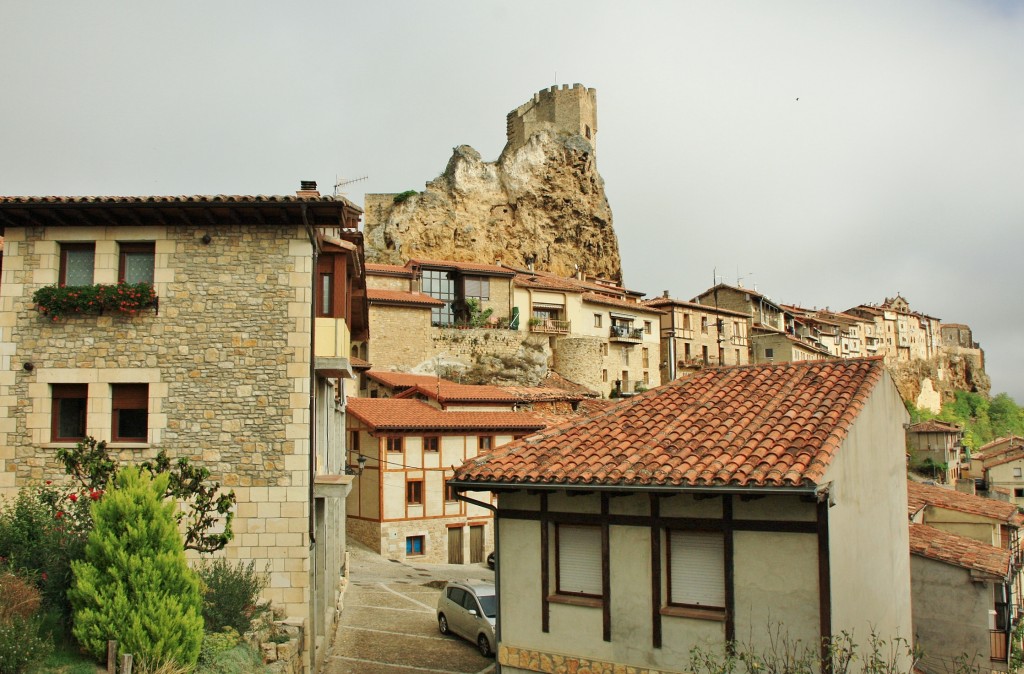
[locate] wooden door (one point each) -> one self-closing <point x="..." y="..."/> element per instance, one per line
<point x="476" y="544"/>
<point x="455" y="545"/>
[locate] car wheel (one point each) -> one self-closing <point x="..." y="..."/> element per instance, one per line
<point x="442" y="624"/>
<point x="484" y="645"/>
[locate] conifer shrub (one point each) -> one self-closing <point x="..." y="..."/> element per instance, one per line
<point x="231" y="595"/>
<point x="134" y="584"/>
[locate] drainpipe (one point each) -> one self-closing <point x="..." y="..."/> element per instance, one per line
<point x="497" y="573"/>
<point x="312" y="379"/>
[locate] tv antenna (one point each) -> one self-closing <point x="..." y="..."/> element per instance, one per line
<point x="341" y="182"/>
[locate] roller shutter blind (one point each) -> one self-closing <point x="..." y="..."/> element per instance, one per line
<point x="579" y="560"/>
<point x="697" y="568"/>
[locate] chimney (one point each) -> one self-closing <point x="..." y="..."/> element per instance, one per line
<point x="664" y="293"/>
<point x="307" y="188"/>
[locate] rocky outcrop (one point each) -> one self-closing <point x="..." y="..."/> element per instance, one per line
<point x="930" y="383"/>
<point x="543" y="200"/>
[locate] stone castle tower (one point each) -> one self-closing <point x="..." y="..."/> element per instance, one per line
<point x="560" y="110"/>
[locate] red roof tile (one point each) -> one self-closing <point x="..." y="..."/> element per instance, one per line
<point x="388" y="269"/>
<point x="378" y="296"/>
<point x="660" y="302"/>
<point x="934" y="426"/>
<point x="967" y="553"/>
<point x="400" y="380"/>
<point x="922" y="495"/>
<point x="597" y="298"/>
<point x="445" y="391"/>
<point x="396" y="414"/>
<point x="555" y="380"/>
<point x="760" y="425"/>
<point x="543" y="393"/>
<point x="359" y="363"/>
<point x="473" y="267"/>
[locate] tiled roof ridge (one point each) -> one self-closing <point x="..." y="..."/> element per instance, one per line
<point x="173" y="198"/>
<point x="701" y="451"/>
<point x="920" y="496"/>
<point x="949" y="548"/>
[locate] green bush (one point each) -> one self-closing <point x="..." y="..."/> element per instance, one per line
<point x="134" y="584"/>
<point x="399" y="198"/>
<point x="231" y="595"/>
<point x="41" y="531"/>
<point x="21" y="644"/>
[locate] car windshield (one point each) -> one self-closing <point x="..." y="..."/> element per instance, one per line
<point x="487" y="604"/>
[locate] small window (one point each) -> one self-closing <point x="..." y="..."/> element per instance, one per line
<point x="326" y="305"/>
<point x="395" y="444"/>
<point x="485" y="442"/>
<point x="604" y="375"/>
<point x="449" y="493"/>
<point x="414" y="545"/>
<point x="414" y="492"/>
<point x="130" y="421"/>
<point x="1018" y="493"/>
<point x="769" y="353"/>
<point x="704" y="325"/>
<point x="645" y="358"/>
<point x="77" y="261"/>
<point x="579" y="560"/>
<point x="68" y="412"/>
<point x="647" y="327"/>
<point x="431" y="443"/>
<point x="597" y="320"/>
<point x="1016" y="472"/>
<point x="696" y="569"/>
<point x="136" y="262"/>
<point x="478" y="288"/>
<point x="604" y="348"/>
<point x="647" y="378"/>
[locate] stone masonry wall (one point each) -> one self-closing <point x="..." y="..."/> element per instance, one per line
<point x="579" y="359"/>
<point x="400" y="336"/>
<point x="227" y="359"/>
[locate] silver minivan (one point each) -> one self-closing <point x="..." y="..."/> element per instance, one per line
<point x="468" y="609"/>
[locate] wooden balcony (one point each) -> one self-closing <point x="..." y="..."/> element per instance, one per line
<point x="550" y="326"/>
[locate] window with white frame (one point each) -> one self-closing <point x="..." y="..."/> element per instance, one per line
<point x="696" y="569"/>
<point x="578" y="560"/>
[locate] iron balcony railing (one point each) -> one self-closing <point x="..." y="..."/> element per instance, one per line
<point x="622" y="333"/>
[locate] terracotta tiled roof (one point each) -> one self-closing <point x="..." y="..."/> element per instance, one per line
<point x="400" y="380"/>
<point x="396" y="414"/>
<point x="998" y="446"/>
<point x="177" y="199"/>
<point x="445" y="391"/>
<point x="922" y="495"/>
<point x="555" y="380"/>
<point x="934" y="426"/>
<point x="751" y="426"/>
<point x="388" y="269"/>
<point x="597" y="298"/>
<point x="542" y="393"/>
<point x="473" y="267"/>
<point x="544" y="279"/>
<point x="967" y="553"/>
<point x="591" y="406"/>
<point x="359" y="363"/>
<point x="1002" y="458"/>
<point x="378" y="296"/>
<point x="660" y="302"/>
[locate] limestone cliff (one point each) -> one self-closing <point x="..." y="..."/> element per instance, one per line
<point x="542" y="199"/>
<point x="928" y="384"/>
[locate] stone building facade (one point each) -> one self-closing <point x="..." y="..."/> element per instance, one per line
<point x="222" y="370"/>
<point x="696" y="335"/>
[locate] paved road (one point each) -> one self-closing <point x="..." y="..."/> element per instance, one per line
<point x="388" y="625"/>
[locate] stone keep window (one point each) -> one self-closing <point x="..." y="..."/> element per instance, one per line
<point x="130" y="416"/>
<point x="136" y="262"/>
<point x="77" y="263"/>
<point x="69" y="402"/>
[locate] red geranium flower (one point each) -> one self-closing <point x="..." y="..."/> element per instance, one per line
<point x="73" y="497"/>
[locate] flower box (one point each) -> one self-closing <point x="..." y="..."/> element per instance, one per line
<point x="125" y="298"/>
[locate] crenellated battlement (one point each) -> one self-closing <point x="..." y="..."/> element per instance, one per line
<point x="561" y="109"/>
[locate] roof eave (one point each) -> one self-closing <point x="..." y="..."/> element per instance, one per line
<point x="717" y="489"/>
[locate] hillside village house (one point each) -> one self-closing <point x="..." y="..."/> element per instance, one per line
<point x="400" y="505"/>
<point x="653" y="527"/>
<point x="936" y="446"/>
<point x="999" y="466"/>
<point x="969" y="547"/>
<point x="902" y="334"/>
<point x="237" y="365"/>
<point x="695" y="336"/>
<point x="596" y="334"/>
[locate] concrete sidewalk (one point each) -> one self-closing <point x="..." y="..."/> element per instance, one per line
<point x="388" y="623"/>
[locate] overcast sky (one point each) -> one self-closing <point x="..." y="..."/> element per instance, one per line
<point x="828" y="153"/>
